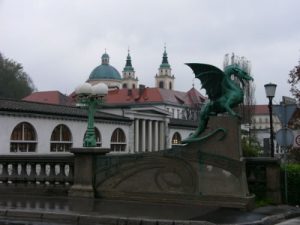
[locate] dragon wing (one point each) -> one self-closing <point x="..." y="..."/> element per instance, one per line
<point x="211" y="78"/>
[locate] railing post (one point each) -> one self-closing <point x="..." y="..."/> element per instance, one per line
<point x="32" y="175"/>
<point x="70" y="176"/>
<point x="41" y="177"/>
<point x="60" y="175"/>
<point x="84" y="165"/>
<point x="14" y="172"/>
<point x="4" y="174"/>
<point x="22" y="176"/>
<point x="51" y="176"/>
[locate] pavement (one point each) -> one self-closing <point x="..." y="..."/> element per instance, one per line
<point x="294" y="221"/>
<point x="29" y="210"/>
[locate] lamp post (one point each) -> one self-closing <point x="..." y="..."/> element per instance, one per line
<point x="91" y="96"/>
<point x="270" y="93"/>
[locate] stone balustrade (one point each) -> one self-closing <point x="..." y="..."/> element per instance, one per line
<point x="54" y="175"/>
<point x="25" y="171"/>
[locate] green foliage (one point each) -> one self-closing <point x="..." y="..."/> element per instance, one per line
<point x="293" y="182"/>
<point x="294" y="79"/>
<point x="250" y="147"/>
<point x="14" y="82"/>
<point x="263" y="202"/>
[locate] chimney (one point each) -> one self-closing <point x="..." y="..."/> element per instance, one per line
<point x="129" y="93"/>
<point x="141" y="89"/>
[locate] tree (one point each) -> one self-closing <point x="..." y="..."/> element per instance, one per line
<point x="14" y="82"/>
<point x="250" y="147"/>
<point x="294" y="79"/>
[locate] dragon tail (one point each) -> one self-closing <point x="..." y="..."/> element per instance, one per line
<point x="203" y="138"/>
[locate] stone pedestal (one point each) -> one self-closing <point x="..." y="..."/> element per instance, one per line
<point x="84" y="165"/>
<point x="273" y="182"/>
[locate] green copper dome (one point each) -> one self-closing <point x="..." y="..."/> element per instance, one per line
<point x="105" y="71"/>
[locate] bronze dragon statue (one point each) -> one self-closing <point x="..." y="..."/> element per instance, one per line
<point x="223" y="93"/>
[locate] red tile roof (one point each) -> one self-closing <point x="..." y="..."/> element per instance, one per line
<point x="51" y="97"/>
<point x="153" y="95"/>
<point x="127" y="97"/>
<point x="261" y="109"/>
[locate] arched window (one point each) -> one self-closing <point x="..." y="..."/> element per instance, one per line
<point x="61" y="139"/>
<point x="170" y="86"/>
<point x="23" y="138"/>
<point x="161" y="84"/>
<point x="133" y="86"/>
<point x="176" y="139"/>
<point x="125" y="85"/>
<point x="98" y="137"/>
<point x="118" y="141"/>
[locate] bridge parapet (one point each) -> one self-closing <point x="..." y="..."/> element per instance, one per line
<point x="48" y="173"/>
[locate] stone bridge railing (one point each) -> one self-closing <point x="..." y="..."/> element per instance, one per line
<point x="50" y="173"/>
<point x="54" y="175"/>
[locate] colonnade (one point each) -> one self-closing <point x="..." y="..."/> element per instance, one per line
<point x="149" y="135"/>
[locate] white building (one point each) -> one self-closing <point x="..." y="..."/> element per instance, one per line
<point x="133" y="119"/>
<point x="30" y="127"/>
<point x="260" y="126"/>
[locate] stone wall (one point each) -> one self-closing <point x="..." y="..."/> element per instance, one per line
<point x="208" y="172"/>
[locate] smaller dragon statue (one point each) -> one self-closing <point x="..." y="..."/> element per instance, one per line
<point x="223" y="92"/>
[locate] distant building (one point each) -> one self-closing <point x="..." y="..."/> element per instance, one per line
<point x="129" y="80"/>
<point x="51" y="97"/>
<point x="260" y="126"/>
<point x="164" y="78"/>
<point x="134" y="118"/>
<point x="39" y="128"/>
<point x="106" y="73"/>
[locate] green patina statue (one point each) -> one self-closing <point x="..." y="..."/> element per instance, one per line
<point x="223" y="93"/>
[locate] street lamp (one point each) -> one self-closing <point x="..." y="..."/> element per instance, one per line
<point x="91" y="96"/>
<point x="270" y="93"/>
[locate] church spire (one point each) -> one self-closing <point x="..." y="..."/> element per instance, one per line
<point x="128" y="65"/>
<point x="164" y="78"/>
<point x="165" y="62"/>
<point x="129" y="79"/>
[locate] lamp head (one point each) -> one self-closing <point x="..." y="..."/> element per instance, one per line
<point x="100" y="89"/>
<point x="84" y="89"/>
<point x="270" y="90"/>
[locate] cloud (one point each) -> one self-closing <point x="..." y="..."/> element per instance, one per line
<point x="60" y="42"/>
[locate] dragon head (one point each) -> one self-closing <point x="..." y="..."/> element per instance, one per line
<point x="238" y="72"/>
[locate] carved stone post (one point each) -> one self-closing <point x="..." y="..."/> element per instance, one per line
<point x="4" y="174"/>
<point x="273" y="181"/>
<point x="84" y="164"/>
<point x="32" y="175"/>
<point x="41" y="177"/>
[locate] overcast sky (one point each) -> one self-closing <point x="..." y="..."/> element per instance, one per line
<point x="60" y="42"/>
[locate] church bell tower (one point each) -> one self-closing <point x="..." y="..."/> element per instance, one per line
<point x="164" y="78"/>
<point x="129" y="80"/>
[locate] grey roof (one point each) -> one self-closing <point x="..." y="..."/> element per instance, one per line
<point x="19" y="106"/>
